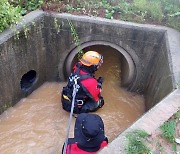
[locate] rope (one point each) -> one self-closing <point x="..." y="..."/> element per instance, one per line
<point x="75" y="90"/>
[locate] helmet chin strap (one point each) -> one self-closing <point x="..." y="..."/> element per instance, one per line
<point x="96" y="67"/>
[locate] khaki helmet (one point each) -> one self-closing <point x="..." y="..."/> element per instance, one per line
<point x="92" y="58"/>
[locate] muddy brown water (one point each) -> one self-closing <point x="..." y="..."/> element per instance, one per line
<point x="37" y="124"/>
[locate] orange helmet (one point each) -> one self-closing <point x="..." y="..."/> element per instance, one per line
<point x="92" y="58"/>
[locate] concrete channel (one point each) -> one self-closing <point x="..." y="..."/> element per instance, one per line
<point x="150" y="61"/>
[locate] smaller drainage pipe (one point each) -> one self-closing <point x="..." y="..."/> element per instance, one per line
<point x="28" y="80"/>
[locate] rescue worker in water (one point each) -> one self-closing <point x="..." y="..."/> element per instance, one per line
<point x="88" y="97"/>
<point x="89" y="135"/>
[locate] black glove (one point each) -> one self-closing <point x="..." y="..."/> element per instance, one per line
<point x="100" y="80"/>
<point x="101" y="102"/>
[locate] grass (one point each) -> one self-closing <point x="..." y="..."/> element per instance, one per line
<point x="137" y="142"/>
<point x="168" y="130"/>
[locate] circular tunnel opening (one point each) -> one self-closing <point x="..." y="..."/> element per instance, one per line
<point x="28" y="80"/>
<point x="112" y="54"/>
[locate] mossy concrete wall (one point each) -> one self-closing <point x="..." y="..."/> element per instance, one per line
<point x="159" y="77"/>
<point x="48" y="44"/>
<point x="19" y="55"/>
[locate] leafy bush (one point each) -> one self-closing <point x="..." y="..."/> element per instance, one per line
<point x="8" y="14"/>
<point x="27" y="5"/>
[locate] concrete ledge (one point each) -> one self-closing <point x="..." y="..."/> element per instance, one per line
<point x="152" y="120"/>
<point x="113" y="22"/>
<point x="173" y="40"/>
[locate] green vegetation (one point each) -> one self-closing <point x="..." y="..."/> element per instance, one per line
<point x="76" y="38"/>
<point x="168" y="129"/>
<point x="11" y="11"/>
<point x="26" y="5"/>
<point x="8" y="14"/>
<point x="161" y="12"/>
<point x="137" y="142"/>
<point x="74" y="34"/>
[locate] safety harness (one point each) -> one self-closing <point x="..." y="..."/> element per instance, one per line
<point x="74" y="80"/>
<point x="67" y="91"/>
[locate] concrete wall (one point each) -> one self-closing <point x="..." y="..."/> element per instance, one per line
<point x="17" y="57"/>
<point x="159" y="77"/>
<point x="45" y="51"/>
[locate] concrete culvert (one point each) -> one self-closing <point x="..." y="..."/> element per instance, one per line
<point x="147" y="63"/>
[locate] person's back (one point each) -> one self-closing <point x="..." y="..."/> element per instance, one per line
<point x="89" y="135"/>
<point x="88" y="97"/>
